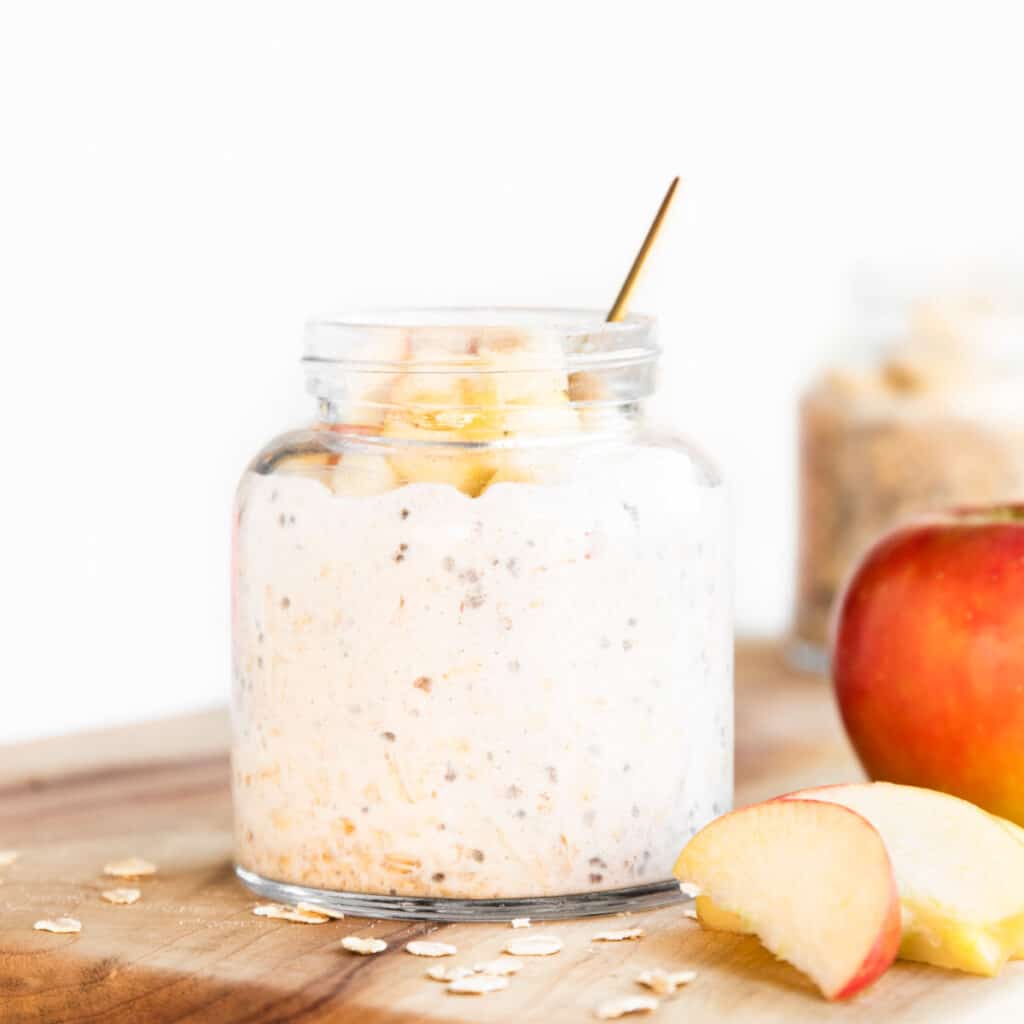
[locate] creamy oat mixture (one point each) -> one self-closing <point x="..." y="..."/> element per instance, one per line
<point x="523" y="693"/>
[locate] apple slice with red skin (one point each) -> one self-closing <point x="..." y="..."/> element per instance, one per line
<point x="812" y="879"/>
<point x="960" y="874"/>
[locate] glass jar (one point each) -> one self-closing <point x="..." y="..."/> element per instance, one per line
<point x="928" y="414"/>
<point x="482" y="642"/>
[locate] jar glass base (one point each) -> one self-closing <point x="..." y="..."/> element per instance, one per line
<point x="537" y="908"/>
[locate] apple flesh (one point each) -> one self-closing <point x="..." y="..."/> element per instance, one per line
<point x="928" y="658"/>
<point x="811" y="879"/>
<point x="960" y="873"/>
<point x="514" y="385"/>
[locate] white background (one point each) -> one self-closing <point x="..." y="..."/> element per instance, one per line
<point x="182" y="183"/>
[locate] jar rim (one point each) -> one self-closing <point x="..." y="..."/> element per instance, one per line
<point x="439" y="339"/>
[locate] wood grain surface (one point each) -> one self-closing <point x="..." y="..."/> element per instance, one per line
<point x="191" y="950"/>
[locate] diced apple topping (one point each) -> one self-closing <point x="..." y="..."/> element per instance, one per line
<point x="359" y="473"/>
<point x="513" y="385"/>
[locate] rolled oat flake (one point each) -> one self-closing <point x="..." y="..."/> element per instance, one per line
<point x="364" y="947"/>
<point x="534" y="945"/>
<point x="60" y="925"/>
<point x="615" y="1008"/>
<point x="477" y="985"/>
<point x="420" y="948"/>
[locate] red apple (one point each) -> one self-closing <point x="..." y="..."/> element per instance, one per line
<point x="928" y="657"/>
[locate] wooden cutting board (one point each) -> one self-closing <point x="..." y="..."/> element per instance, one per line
<point x="191" y="950"/>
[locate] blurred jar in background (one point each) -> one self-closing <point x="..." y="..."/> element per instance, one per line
<point x="927" y="412"/>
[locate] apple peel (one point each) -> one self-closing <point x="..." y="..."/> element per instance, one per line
<point x="816" y="887"/>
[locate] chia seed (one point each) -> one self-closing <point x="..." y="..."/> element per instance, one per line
<point x="478" y="856"/>
<point x="390" y="737"/>
<point x="286" y="602"/>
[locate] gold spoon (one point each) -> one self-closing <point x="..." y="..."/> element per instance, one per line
<point x="618" y="310"/>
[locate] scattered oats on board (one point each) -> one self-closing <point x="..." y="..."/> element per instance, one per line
<point x="664" y="983"/>
<point x="279" y="912"/>
<point x="448" y="972"/>
<point x="418" y="948"/>
<point x="477" y="985"/>
<point x="533" y="945"/>
<point x="7" y="858"/>
<point x="61" y="925"/>
<point x="499" y="968"/>
<point x="520" y="922"/>
<point x="690" y="913"/>
<point x="690" y="889"/>
<point x="620" y="936"/>
<point x="335" y="915"/>
<point x="123" y="896"/>
<point x="616" y="1008"/>
<point x="130" y="867"/>
<point x="364" y="947"/>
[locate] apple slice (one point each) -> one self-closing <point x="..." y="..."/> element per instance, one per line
<point x="816" y="886"/>
<point x="1011" y="826"/>
<point x="960" y="872"/>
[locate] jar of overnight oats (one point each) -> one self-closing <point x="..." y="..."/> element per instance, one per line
<point x="482" y="640"/>
<point x="929" y="414"/>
